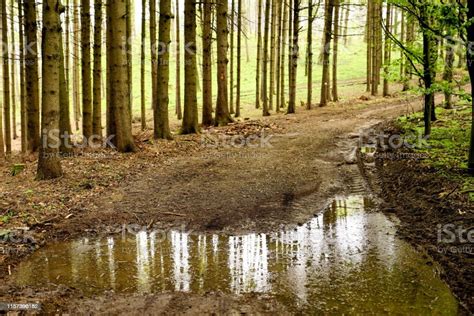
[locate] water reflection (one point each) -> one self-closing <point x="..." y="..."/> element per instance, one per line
<point x="345" y="260"/>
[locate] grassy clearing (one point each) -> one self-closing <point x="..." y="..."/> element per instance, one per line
<point x="448" y="145"/>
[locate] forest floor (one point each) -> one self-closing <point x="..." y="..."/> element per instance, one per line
<point x="202" y="183"/>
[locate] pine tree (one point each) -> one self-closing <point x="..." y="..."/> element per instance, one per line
<point x="222" y="106"/>
<point x="97" y="71"/>
<point x="266" y="40"/>
<point x="294" y="57"/>
<point x="49" y="165"/>
<point x="86" y="68"/>
<point x="190" y="117"/>
<point x="335" y="94"/>
<point x="239" y="58"/>
<point x="179" y="112"/>
<point x="207" y="63"/>
<point x="142" y="68"/>
<point x="161" y="120"/>
<point x="24" y="127"/>
<point x="259" y="54"/>
<point x="13" y="67"/>
<point x="6" y="81"/>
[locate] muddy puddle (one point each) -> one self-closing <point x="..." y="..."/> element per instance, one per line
<point x="346" y="260"/>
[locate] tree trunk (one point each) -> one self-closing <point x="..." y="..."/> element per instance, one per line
<point x="24" y="127"/>
<point x="142" y="69"/>
<point x="448" y="71"/>
<point x="154" y="53"/>
<point x="119" y="98"/>
<point x="470" y="67"/>
<point x="272" y="54"/>
<point x="347" y="15"/>
<point x="335" y="94"/>
<point x="6" y="81"/>
<point x="49" y="165"/>
<point x="239" y="59"/>
<point x="387" y="50"/>
<point x="283" y="53"/>
<point x="129" y="35"/>
<point x="190" y="117"/>
<point x="13" y="67"/>
<point x="279" y="47"/>
<point x="179" y="112"/>
<point x="309" y="54"/>
<point x="231" y="79"/>
<point x="294" y="57"/>
<point x="265" y="97"/>
<point x="97" y="72"/>
<point x="64" y="115"/>
<point x="427" y="73"/>
<point x="327" y="52"/>
<point x="76" y="65"/>
<point x="259" y="54"/>
<point x="222" y="107"/>
<point x="86" y="68"/>
<point x="207" y="64"/>
<point x="161" y="120"/>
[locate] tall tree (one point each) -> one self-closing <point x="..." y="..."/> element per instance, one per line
<point x="387" y="50"/>
<point x="154" y="52"/>
<point x="97" y="71"/>
<point x="294" y="57"/>
<point x="142" y="68"/>
<point x="272" y="53"/>
<point x="309" y="54"/>
<point x="76" y="64"/>
<point x="179" y="112"/>
<point x="190" y="117"/>
<point x="119" y="100"/>
<point x="13" y="67"/>
<point x="161" y="120"/>
<point x="337" y="6"/>
<point x="86" y="68"/>
<point x="239" y="59"/>
<point x="222" y="105"/>
<point x="24" y="127"/>
<point x="232" y="66"/>
<point x="470" y="66"/>
<point x="49" y="165"/>
<point x="64" y="115"/>
<point x="284" y="32"/>
<point x="279" y="48"/>
<point x="207" y="63"/>
<point x="6" y="80"/>
<point x="266" y="39"/>
<point x="328" y="18"/>
<point x="259" y="54"/>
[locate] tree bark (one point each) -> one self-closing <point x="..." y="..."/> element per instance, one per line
<point x="272" y="54"/>
<point x="448" y="71"/>
<point x="207" y="64"/>
<point x="24" y="127"/>
<point x="470" y="67"/>
<point x="283" y="53"/>
<point x="337" y="6"/>
<point x="6" y="81"/>
<point x="86" y="68"/>
<point x="76" y="65"/>
<point x="222" y="106"/>
<point x="97" y="72"/>
<point x="64" y="115"/>
<point x="161" y="120"/>
<point x="259" y="54"/>
<point x="13" y="67"/>
<point x="309" y="54"/>
<point x="231" y="75"/>
<point x="154" y="53"/>
<point x="119" y="106"/>
<point x="294" y="57"/>
<point x="142" y="69"/>
<point x="265" y="97"/>
<point x="49" y="165"/>
<point x="179" y="112"/>
<point x="190" y="117"/>
<point x="239" y="59"/>
<point x="327" y="52"/>
<point x="387" y="50"/>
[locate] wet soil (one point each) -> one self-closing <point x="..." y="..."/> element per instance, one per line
<point x="225" y="190"/>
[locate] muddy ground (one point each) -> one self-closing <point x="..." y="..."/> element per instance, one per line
<point x="203" y="188"/>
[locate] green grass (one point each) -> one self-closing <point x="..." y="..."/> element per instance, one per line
<point x="449" y="142"/>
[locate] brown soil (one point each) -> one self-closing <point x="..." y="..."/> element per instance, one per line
<point x="183" y="183"/>
<point x="425" y="198"/>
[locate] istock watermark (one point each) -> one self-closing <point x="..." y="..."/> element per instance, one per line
<point x="259" y="140"/>
<point x="53" y="139"/>
<point x="455" y="239"/>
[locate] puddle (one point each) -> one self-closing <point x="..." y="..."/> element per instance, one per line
<point x="346" y="260"/>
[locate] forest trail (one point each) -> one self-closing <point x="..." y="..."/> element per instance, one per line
<point x="250" y="189"/>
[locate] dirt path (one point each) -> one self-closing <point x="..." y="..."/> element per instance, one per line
<point x="229" y="190"/>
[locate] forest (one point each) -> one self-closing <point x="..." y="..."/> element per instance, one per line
<point x="237" y="156"/>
